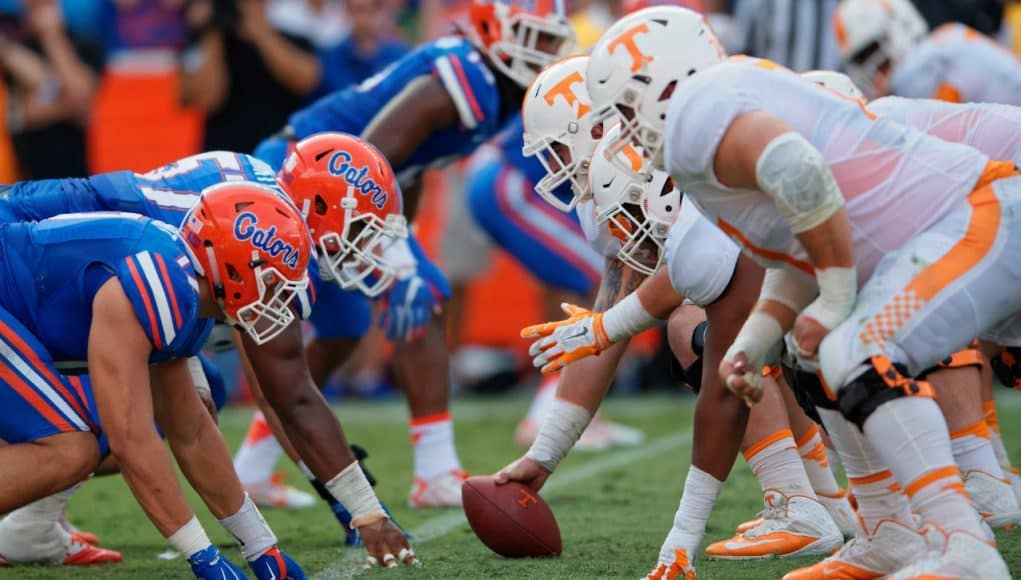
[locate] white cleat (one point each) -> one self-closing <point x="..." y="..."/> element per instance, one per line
<point x="842" y="513"/>
<point x="602" y="434"/>
<point x="965" y="557"/>
<point x="275" y="493"/>
<point x="993" y="498"/>
<point x="794" y="526"/>
<point x="41" y="542"/>
<point x="891" y="547"/>
<point x="440" y="492"/>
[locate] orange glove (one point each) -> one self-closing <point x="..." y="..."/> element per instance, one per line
<point x="564" y="342"/>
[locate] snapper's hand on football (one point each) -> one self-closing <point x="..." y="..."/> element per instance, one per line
<point x="741" y="379"/>
<point x="387" y="545"/>
<point x="525" y="471"/>
<point x="563" y="342"/>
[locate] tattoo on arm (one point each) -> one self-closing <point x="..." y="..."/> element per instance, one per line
<point x="618" y="281"/>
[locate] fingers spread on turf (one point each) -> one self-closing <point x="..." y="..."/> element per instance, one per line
<point x="407" y="555"/>
<point x="370" y="562"/>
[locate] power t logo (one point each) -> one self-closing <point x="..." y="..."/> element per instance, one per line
<point x="246" y="229"/>
<point x="563" y="89"/>
<point x="340" y="164"/>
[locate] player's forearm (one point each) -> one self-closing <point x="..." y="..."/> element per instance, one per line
<point x="313" y="429"/>
<point x="658" y="296"/>
<point x="292" y="67"/>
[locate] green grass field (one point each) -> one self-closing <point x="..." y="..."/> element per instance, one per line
<point x="614" y="508"/>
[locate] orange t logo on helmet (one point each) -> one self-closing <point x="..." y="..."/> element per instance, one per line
<point x="563" y="89"/>
<point x="627" y="39"/>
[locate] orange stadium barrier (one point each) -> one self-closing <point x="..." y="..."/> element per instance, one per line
<point x="138" y="123"/>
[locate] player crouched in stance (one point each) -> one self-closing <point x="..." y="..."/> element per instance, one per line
<point x="879" y="276"/>
<point x="134" y="297"/>
<point x="353" y="215"/>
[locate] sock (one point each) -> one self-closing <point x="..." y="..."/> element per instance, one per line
<point x="911" y="436"/>
<point x="833" y="458"/>
<point x="543" y="399"/>
<point x="432" y="439"/>
<point x="995" y="438"/>
<point x="697" y="500"/>
<point x="817" y="467"/>
<point x="973" y="451"/>
<point x="258" y="455"/>
<point x="776" y="464"/>
<point x="878" y="494"/>
<point x="250" y="530"/>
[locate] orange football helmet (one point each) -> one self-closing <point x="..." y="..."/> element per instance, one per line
<point x="521" y="37"/>
<point x="253" y="248"/>
<point x="348" y="194"/>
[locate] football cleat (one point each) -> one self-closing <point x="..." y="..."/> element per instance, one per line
<point x="602" y="434"/>
<point x="680" y="569"/>
<point x="993" y="498"/>
<point x="84" y="554"/>
<point x="276" y="565"/>
<point x="276" y="493"/>
<point x="745" y="526"/>
<point x="209" y="564"/>
<point x="892" y="546"/>
<point x="965" y="557"/>
<point x="792" y="526"/>
<point x="34" y="542"/>
<point x="79" y="535"/>
<point x="842" y="513"/>
<point x="440" y="492"/>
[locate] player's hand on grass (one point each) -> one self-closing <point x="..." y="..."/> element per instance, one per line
<point x="410" y="304"/>
<point x="563" y="342"/>
<point x="387" y="545"/>
<point x="524" y="471"/>
<point x="742" y="380"/>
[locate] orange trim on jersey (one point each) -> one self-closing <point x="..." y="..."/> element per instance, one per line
<point x="930" y="478"/>
<point x="763" y="252"/>
<point x="812" y="432"/>
<point x="147" y="301"/>
<point x="874" y="478"/>
<point x="769" y="440"/>
<point x="170" y="290"/>
<point x="977" y="429"/>
<point x="429" y="419"/>
<point x="968" y="357"/>
<point x="949" y="93"/>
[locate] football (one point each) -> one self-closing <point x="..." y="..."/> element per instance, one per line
<point x="510" y="519"/>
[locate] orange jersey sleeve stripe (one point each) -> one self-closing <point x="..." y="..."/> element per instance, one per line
<point x="771" y="255"/>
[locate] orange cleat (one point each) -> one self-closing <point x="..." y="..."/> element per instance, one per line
<point x="795" y="526"/>
<point x="679" y="569"/>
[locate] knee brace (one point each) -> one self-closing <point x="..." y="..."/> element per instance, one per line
<point x="883" y="381"/>
<point x="969" y="357"/>
<point x="809" y="392"/>
<point x="1007" y="367"/>
<point x="693" y="374"/>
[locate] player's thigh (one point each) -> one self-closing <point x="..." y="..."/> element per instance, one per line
<point x="680" y="332"/>
<point x="934" y="295"/>
<point x="550" y="244"/>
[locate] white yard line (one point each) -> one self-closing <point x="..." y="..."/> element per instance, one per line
<point x="350" y="565"/>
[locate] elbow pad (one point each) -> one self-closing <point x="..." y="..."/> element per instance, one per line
<point x="794" y="174"/>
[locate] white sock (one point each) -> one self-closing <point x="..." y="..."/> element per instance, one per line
<point x="432" y="440"/>
<point x="878" y="494"/>
<point x="973" y="451"/>
<point x="250" y="530"/>
<point x="817" y="467"/>
<point x="543" y="399"/>
<point x="911" y="436"/>
<point x="995" y="438"/>
<point x="697" y="500"/>
<point x="777" y="465"/>
<point x="833" y="458"/>
<point x="259" y="454"/>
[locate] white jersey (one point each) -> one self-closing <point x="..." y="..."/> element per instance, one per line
<point x="958" y="64"/>
<point x="699" y="257"/>
<point x="992" y="129"/>
<point x="895" y="180"/>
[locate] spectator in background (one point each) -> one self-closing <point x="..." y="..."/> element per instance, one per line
<point x="246" y="75"/>
<point x="133" y="25"/>
<point x="368" y="48"/>
<point x="797" y="34"/>
<point x="323" y="22"/>
<point x="52" y="79"/>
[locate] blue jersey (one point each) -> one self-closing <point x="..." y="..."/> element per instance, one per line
<point x="452" y="61"/>
<point x="51" y="270"/>
<point x="165" y="194"/>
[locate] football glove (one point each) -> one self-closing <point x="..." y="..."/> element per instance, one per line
<point x="209" y="564"/>
<point x="561" y="343"/>
<point x="409" y="305"/>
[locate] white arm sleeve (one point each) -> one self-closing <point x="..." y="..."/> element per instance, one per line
<point x="794" y="174"/>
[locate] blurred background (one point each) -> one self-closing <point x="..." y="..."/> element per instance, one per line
<point x="91" y="86"/>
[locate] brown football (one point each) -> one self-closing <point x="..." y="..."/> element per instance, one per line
<point x="510" y="519"/>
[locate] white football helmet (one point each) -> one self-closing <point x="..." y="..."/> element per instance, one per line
<point x="558" y="111"/>
<point x="636" y="65"/>
<point x="874" y="35"/>
<point x="836" y="82"/>
<point x="638" y="205"/>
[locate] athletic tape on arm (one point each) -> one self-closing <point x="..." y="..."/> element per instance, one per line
<point x="794" y="174"/>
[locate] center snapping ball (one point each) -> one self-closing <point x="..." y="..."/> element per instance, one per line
<point x="511" y="519"/>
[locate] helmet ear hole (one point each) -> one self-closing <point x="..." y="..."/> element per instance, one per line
<point x="234" y="275"/>
<point x="320" y="205"/>
<point x="241" y="205"/>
